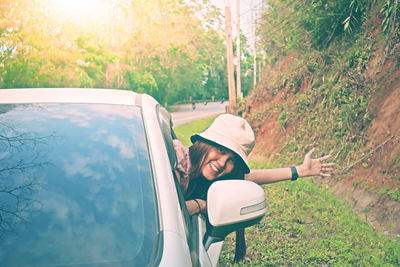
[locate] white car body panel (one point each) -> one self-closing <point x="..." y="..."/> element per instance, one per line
<point x="175" y="251"/>
<point x="214" y="251"/>
<point x="212" y="254"/>
<point x="166" y="189"/>
<point x="165" y="184"/>
<point x="68" y="95"/>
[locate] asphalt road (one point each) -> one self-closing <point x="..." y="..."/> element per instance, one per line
<point x="186" y="113"/>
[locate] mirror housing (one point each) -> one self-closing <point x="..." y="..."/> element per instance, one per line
<point x="232" y="205"/>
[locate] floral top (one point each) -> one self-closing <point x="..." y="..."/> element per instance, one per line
<point x="183" y="165"/>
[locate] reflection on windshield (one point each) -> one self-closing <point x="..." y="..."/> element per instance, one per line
<point x="16" y="203"/>
<point x="75" y="186"/>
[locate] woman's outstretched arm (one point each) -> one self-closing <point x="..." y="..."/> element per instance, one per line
<point x="309" y="167"/>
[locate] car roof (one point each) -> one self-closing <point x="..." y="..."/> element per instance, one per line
<point x="69" y="95"/>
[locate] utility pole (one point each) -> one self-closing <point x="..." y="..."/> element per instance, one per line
<point x="238" y="57"/>
<point x="254" y="44"/>
<point x="229" y="52"/>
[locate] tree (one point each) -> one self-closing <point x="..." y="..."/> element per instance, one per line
<point x="169" y="49"/>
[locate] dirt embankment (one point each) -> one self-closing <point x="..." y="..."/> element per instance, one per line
<point x="368" y="182"/>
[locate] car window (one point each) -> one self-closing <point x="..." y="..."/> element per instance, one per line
<point x="76" y="186"/>
<point x="164" y="119"/>
<point x="191" y="222"/>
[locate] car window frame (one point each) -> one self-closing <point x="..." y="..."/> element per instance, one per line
<point x="191" y="222"/>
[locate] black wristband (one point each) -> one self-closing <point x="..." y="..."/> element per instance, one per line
<point x="198" y="204"/>
<point x="295" y="175"/>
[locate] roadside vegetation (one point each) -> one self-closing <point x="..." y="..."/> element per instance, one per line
<point x="183" y="132"/>
<point x="305" y="226"/>
<point x="327" y="67"/>
<point x="158" y="47"/>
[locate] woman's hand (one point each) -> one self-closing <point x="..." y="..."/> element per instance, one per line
<point x="310" y="167"/>
<point x="194" y="208"/>
<point x="313" y="167"/>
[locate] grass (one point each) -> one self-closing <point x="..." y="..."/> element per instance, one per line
<point x="305" y="226"/>
<point x="183" y="132"/>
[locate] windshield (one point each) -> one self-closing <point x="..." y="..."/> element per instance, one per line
<point x="75" y="186"/>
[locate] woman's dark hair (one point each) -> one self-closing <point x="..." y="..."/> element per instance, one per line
<point x="198" y="185"/>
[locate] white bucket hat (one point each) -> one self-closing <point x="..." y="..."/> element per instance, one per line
<point x="232" y="132"/>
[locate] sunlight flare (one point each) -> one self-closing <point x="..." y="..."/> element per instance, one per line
<point x="81" y="10"/>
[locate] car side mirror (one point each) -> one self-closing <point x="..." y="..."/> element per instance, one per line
<point x="232" y="205"/>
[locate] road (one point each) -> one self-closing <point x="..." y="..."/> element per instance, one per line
<point x="186" y="114"/>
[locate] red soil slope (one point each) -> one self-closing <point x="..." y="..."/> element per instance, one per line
<point x="370" y="181"/>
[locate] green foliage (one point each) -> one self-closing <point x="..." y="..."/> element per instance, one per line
<point x="183" y="132"/>
<point x="355" y="11"/>
<point x="142" y="82"/>
<point x="94" y="59"/>
<point x="384" y="190"/>
<point x="324" y="50"/>
<point x="307" y="226"/>
<point x="390" y="11"/>
<point x="392" y="255"/>
<point x="173" y="47"/>
<point x="395" y="195"/>
<point x="282" y="119"/>
<point x="292" y="25"/>
<point x="158" y="47"/>
<point x="332" y="111"/>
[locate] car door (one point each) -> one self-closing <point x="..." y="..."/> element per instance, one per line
<point x="196" y="224"/>
<point x="211" y="255"/>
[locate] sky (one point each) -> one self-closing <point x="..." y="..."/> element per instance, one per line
<point x="249" y="10"/>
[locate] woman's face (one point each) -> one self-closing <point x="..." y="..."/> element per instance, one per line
<point x="217" y="163"/>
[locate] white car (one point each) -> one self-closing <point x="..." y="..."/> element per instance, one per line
<point x="86" y="179"/>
